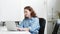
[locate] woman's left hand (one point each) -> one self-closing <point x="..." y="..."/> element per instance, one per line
<point x="26" y="29"/>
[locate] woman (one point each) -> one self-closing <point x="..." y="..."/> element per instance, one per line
<point x="30" y="22"/>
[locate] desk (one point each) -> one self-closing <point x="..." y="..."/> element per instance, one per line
<point x="3" y="30"/>
<point x="15" y="32"/>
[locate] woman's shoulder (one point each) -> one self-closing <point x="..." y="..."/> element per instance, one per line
<point x="35" y="18"/>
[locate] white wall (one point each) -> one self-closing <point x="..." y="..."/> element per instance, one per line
<point x="58" y="5"/>
<point x="12" y="10"/>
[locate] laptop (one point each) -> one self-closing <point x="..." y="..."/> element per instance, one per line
<point x="11" y="26"/>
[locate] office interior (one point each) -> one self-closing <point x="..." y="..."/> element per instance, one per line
<point x="13" y="10"/>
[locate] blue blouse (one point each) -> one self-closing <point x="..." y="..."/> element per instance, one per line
<point x="32" y="24"/>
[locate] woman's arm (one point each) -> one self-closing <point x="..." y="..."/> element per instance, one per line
<point x="20" y="27"/>
<point x="35" y="25"/>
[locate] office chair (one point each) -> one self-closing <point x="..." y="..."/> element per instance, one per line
<point x="42" y="23"/>
<point x="56" y="28"/>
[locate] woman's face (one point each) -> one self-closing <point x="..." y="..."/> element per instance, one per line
<point x="27" y="13"/>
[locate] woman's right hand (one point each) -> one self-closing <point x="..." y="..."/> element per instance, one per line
<point x="20" y="29"/>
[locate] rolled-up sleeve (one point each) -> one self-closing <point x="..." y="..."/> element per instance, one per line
<point x="35" y="25"/>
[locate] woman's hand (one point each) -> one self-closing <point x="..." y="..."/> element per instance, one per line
<point x="20" y="29"/>
<point x="26" y="29"/>
<point x="17" y="28"/>
<point x="23" y="29"/>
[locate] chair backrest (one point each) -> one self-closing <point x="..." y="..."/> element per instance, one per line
<point x="55" y="31"/>
<point x="42" y="23"/>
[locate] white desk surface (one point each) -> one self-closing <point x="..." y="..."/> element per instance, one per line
<point x="3" y="30"/>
